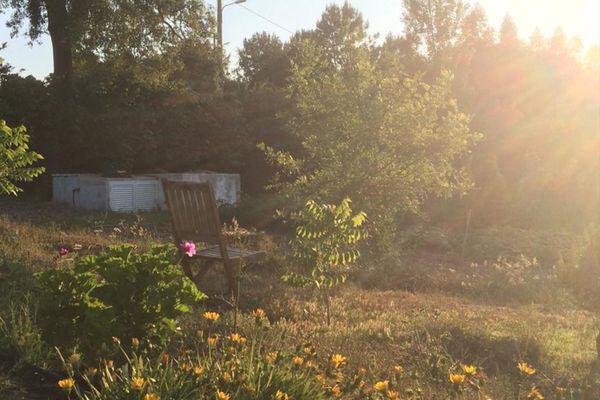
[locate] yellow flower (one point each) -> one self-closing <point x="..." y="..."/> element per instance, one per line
<point x="469" y="369"/>
<point x="212" y="341"/>
<point x="227" y="377"/>
<point x="137" y="383"/>
<point x="382" y="386"/>
<point x="307" y="350"/>
<point x="456" y="379"/>
<point x="198" y="371"/>
<point x="109" y="363"/>
<point x="260" y="313"/>
<point x="362" y="371"/>
<point x="336" y="391"/>
<point x="91" y="372"/>
<point x="211" y="316"/>
<point x="135" y="342"/>
<point x="361" y="384"/>
<point x="151" y="396"/>
<point x="74" y="359"/>
<point x="393" y="395"/>
<point x="535" y="394"/>
<point x="271" y="357"/>
<point x="398" y="369"/>
<point x="164" y="358"/>
<point x="297" y="360"/>
<point x="222" y="395"/>
<point x="236" y="338"/>
<point x="309" y="364"/>
<point x="66" y="384"/>
<point x="185" y="367"/>
<point x="281" y="395"/>
<point x="337" y="360"/>
<point x="525" y="368"/>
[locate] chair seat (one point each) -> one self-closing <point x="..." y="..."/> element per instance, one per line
<point x="213" y="253"/>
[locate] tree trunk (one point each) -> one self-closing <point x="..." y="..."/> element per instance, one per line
<point x="598" y="346"/>
<point x="62" y="46"/>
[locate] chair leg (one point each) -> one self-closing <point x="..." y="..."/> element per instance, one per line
<point x="230" y="275"/>
<point x="198" y="277"/>
<point x="187" y="269"/>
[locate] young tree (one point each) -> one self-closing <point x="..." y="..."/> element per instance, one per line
<point x="537" y="40"/>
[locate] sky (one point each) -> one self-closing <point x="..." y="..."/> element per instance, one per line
<point x="576" y="17"/>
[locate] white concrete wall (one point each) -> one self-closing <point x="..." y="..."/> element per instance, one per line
<point x="136" y="193"/>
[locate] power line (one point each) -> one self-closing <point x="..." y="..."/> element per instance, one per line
<point x="266" y="19"/>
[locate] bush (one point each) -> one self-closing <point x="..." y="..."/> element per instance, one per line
<point x="118" y="294"/>
<point x="16" y="158"/>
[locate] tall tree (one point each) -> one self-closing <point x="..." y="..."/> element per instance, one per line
<point x="509" y="34"/>
<point x="537" y="40"/>
<point x="108" y="27"/>
<point x="434" y="25"/>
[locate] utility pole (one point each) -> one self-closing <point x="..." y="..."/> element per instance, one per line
<point x="220" y="8"/>
<point x="220" y="23"/>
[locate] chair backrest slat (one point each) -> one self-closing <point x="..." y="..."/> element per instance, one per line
<point x="193" y="211"/>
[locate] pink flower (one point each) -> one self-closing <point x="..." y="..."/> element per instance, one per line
<point x="189" y="248"/>
<point x="63" y="251"/>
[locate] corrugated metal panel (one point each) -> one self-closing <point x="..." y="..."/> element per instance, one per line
<point x="145" y="196"/>
<point x="121" y="197"/>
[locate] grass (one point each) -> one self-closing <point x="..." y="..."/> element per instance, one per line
<point x="424" y="310"/>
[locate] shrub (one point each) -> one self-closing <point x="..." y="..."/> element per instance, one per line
<point x="16" y="158"/>
<point x="325" y="246"/>
<point x="118" y="294"/>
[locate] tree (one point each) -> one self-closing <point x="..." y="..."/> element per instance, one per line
<point x="106" y="28"/>
<point x="263" y="60"/>
<point x="537" y="40"/>
<point x="16" y="159"/>
<point x="389" y="140"/>
<point x="509" y="35"/>
<point x="434" y="25"/>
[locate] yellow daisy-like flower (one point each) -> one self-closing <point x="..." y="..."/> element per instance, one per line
<point x="222" y="395"/>
<point x="260" y="313"/>
<point x="309" y="364"/>
<point x="212" y="341"/>
<point x="456" y="379"/>
<point x="211" y="316"/>
<point x="198" y="371"/>
<point x="185" y="367"/>
<point x="66" y="384"/>
<point x="281" y="395"/>
<point x="74" y="359"/>
<point x="271" y="357"/>
<point x="362" y="371"/>
<point x="91" y="372"/>
<point x="297" y="360"/>
<point x="137" y="383"/>
<point x="535" y="394"/>
<point x="525" y="368"/>
<point x="469" y="369"/>
<point x="337" y="360"/>
<point x="398" y="369"/>
<point x="135" y="342"/>
<point x="151" y="396"/>
<point x="381" y="386"/>
<point x="109" y="363"/>
<point x="227" y="377"/>
<point x="393" y="395"/>
<point x="336" y="391"/>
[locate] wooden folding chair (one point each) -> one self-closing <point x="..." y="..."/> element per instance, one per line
<point x="195" y="218"/>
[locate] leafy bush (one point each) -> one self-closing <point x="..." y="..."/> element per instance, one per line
<point x="16" y="158"/>
<point x="118" y="294"/>
<point x="325" y="246"/>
